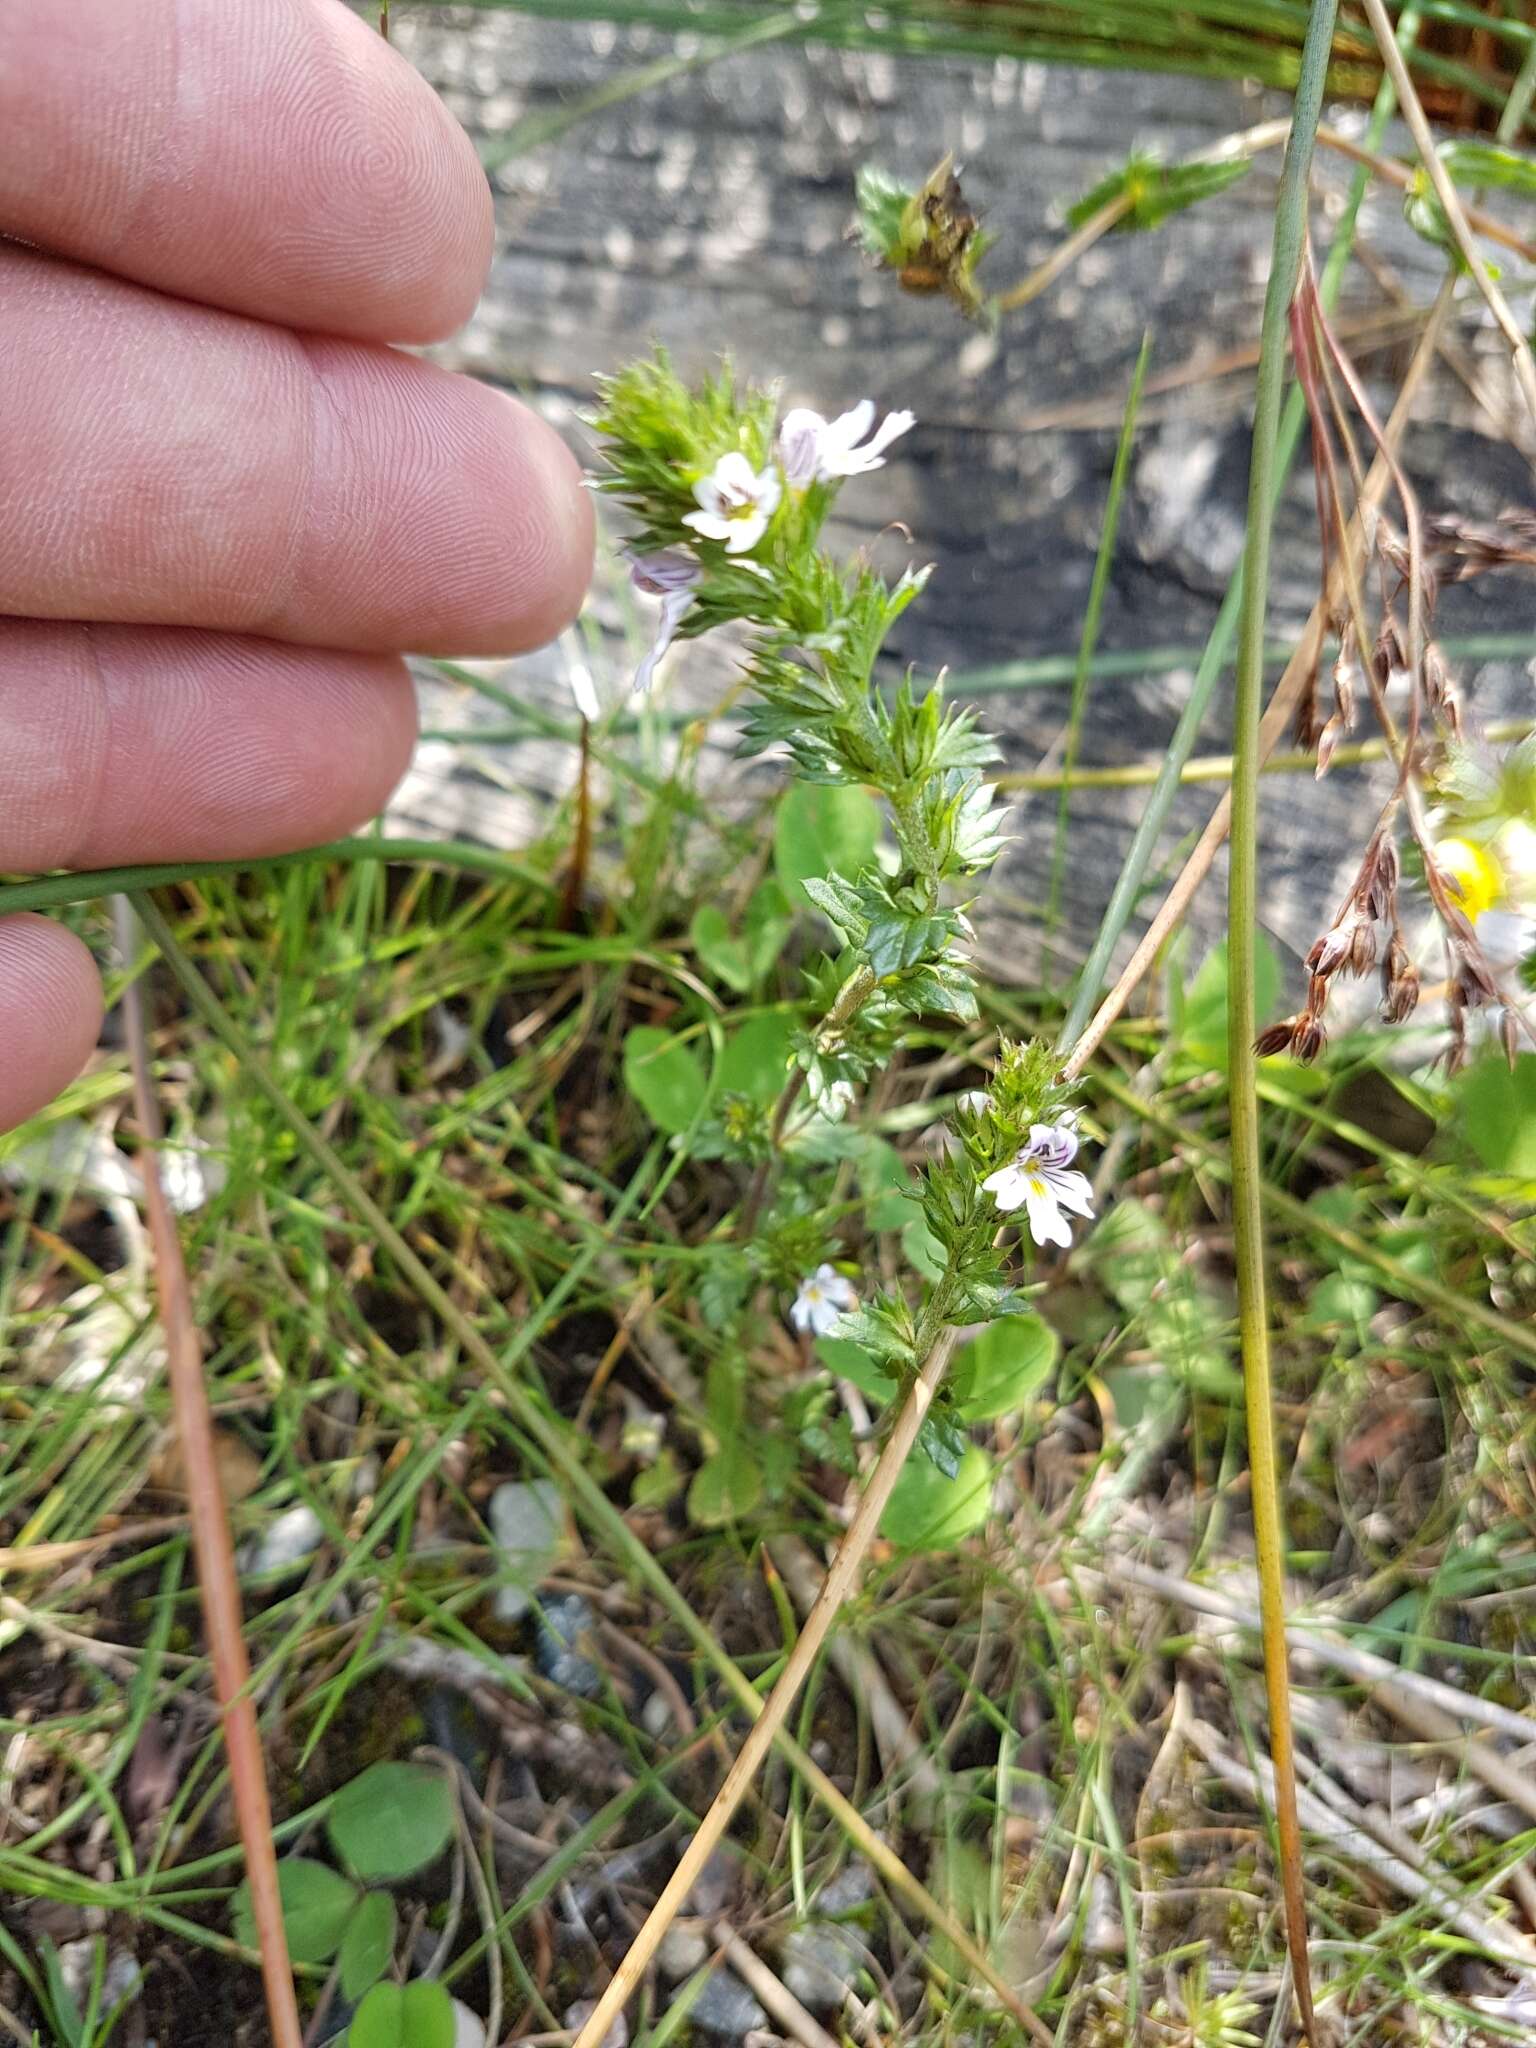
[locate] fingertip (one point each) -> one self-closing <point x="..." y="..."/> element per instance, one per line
<point x="543" y="529"/>
<point x="50" y="1013"/>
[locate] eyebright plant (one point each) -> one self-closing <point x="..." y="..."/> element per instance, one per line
<point x="729" y="502"/>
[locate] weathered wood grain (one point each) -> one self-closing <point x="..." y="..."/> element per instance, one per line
<point x="713" y="215"/>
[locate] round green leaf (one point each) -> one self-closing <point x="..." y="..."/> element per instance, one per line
<point x="926" y="1511"/>
<point x="392" y="1820"/>
<point x="724" y="955"/>
<point x="755" y="1061"/>
<point x="664" y="1076"/>
<point x="1498" y="1113"/>
<point x="317" y="1904"/>
<point x="726" y="1486"/>
<point x="998" y="1371"/>
<point x="367" y="1945"/>
<point x="823" y="828"/>
<point x="416" y="2015"/>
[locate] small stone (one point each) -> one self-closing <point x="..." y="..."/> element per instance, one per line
<point x="468" y="2027"/>
<point x="284" y="1543"/>
<point x="563" y="1623"/>
<point x="121" y="1981"/>
<point x="820" y="1964"/>
<point x="852" y="1886"/>
<point x="683" y="1949"/>
<point x="576" y="2017"/>
<point x="726" y="2008"/>
<point x="656" y="1716"/>
<point x="715" y="1883"/>
<point x="527" y="1518"/>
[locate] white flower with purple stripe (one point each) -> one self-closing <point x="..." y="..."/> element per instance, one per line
<point x="1043" y="1183"/>
<point x="814" y="450"/>
<point x="671" y="575"/>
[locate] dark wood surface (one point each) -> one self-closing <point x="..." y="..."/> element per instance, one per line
<point x="713" y="213"/>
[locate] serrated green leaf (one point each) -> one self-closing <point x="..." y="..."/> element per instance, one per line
<point x="317" y="1904"/>
<point x="881" y="201"/>
<point x="997" y="1372"/>
<point x="943" y="1441"/>
<point x="392" y="1820"/>
<point x="665" y="1077"/>
<point x="838" y="902"/>
<point x="367" y="1945"/>
<point x="1156" y="191"/>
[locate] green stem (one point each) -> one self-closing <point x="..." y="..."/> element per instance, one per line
<point x="1149" y="829"/>
<point x="1242" y="1021"/>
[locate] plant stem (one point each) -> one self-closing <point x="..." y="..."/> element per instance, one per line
<point x="1242" y="904"/>
<point x="208" y="1513"/>
<point x="1063" y="256"/>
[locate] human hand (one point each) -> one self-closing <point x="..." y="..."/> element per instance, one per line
<point x="225" y="505"/>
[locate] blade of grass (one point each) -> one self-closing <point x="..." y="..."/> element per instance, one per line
<point x="1242" y="1021"/>
<point x="587" y="1495"/>
<point x="1090" y="633"/>
<point x="212" y="1546"/>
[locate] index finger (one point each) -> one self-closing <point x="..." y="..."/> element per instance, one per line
<point x="274" y="157"/>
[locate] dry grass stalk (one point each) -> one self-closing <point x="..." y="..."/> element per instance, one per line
<point x="212" y="1547"/>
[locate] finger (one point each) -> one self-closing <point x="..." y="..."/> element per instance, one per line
<point x="274" y="156"/>
<point x="50" y="1013"/>
<point x="143" y="744"/>
<point x="161" y="463"/>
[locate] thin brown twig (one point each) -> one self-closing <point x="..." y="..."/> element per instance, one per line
<point x="212" y="1546"/>
<point x="1064" y="255"/>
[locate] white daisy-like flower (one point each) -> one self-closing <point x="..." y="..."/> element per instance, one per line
<point x="736" y="502"/>
<point x="815" y="450"/>
<point x="1043" y="1183"/>
<point x="670" y="574"/>
<point x="821" y="1299"/>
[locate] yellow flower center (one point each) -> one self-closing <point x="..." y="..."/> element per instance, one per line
<point x="1475" y="874"/>
<point x="1036" y="1184"/>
